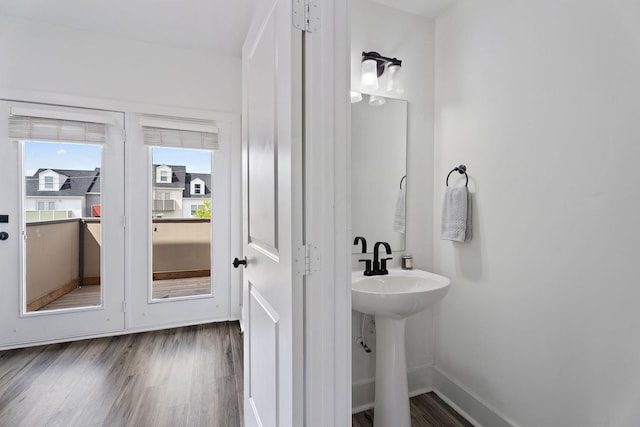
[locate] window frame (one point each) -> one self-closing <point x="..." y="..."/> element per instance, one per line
<point x="48" y="182"/>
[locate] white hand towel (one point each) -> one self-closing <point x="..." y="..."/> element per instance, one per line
<point x="399" y="220"/>
<point x="456" y="216"/>
<point x="469" y="229"/>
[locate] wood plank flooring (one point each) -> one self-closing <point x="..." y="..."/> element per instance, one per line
<point x="189" y="376"/>
<point x="427" y="410"/>
<point x="90" y="295"/>
<point x="170" y="288"/>
<point x="84" y="296"/>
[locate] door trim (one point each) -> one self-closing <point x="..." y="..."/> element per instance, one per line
<point x="328" y="218"/>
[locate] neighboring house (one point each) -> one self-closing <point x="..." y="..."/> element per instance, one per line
<point x="64" y="193"/>
<point x="196" y="191"/>
<point x="61" y="193"/>
<point x="178" y="193"/>
<point x="167" y="189"/>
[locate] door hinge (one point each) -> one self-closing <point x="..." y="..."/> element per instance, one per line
<point x="306" y="15"/>
<point x="307" y="260"/>
<point x="124" y="306"/>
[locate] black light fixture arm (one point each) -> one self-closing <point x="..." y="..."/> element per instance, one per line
<point x="381" y="61"/>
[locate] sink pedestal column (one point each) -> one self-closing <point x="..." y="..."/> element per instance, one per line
<point x="392" y="391"/>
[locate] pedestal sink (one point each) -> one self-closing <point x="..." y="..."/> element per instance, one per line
<point x="391" y="299"/>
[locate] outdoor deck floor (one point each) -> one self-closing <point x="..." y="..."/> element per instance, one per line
<point x="90" y="295"/>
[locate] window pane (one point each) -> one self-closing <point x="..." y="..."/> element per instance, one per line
<point x="181" y="233"/>
<point x="63" y="245"/>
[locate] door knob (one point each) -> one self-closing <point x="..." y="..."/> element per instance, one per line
<point x="4" y="235"/>
<point x="237" y="262"/>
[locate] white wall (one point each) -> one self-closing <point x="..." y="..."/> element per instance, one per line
<point x="540" y="100"/>
<point x="49" y="58"/>
<point x="409" y="38"/>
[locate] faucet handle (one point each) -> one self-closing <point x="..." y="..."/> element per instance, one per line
<point x="367" y="266"/>
<point x="363" y="241"/>
<point x="383" y="264"/>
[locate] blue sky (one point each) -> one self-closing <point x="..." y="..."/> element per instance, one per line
<point x="196" y="161"/>
<point x="60" y="156"/>
<point x="87" y="157"/>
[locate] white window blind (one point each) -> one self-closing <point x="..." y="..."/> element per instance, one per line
<point x="48" y="129"/>
<point x="180" y="134"/>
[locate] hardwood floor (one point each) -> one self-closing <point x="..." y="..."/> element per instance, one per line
<point x="427" y="410"/>
<point x="189" y="376"/>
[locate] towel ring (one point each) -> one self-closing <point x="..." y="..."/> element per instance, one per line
<point x="462" y="169"/>
<point x="403" y="178"/>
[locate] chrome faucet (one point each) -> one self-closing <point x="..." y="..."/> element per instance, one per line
<point x="379" y="264"/>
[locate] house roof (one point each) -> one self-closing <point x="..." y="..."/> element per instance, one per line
<point x="177" y="177"/>
<point x="77" y="184"/>
<point x="81" y="182"/>
<point x="181" y="179"/>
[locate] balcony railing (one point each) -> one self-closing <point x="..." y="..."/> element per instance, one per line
<point x="34" y="216"/>
<point x="64" y="254"/>
<point x="164" y="205"/>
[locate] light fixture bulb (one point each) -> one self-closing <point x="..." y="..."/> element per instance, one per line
<point x="369" y="77"/>
<point x="355" y="97"/>
<point x="394" y="80"/>
<point x="376" y="101"/>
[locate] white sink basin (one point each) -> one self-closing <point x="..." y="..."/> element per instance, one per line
<point x="398" y="294"/>
<point x="391" y="299"/>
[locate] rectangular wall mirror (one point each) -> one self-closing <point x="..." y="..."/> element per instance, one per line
<point x="378" y="164"/>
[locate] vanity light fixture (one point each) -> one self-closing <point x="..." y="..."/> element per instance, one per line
<point x="355" y="97"/>
<point x="394" y="81"/>
<point x="373" y="66"/>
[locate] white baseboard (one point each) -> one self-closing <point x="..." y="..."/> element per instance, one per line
<point x="466" y="403"/>
<point x="424" y="379"/>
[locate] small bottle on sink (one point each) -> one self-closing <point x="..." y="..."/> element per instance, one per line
<point x="407" y="262"/>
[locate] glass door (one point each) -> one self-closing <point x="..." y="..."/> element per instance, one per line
<point x="179" y="217"/>
<point x="61" y="207"/>
<point x="180" y="223"/>
<point x="63" y="212"/>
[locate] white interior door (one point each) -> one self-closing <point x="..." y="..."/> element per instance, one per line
<point x="272" y="211"/>
<point x="61" y="255"/>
